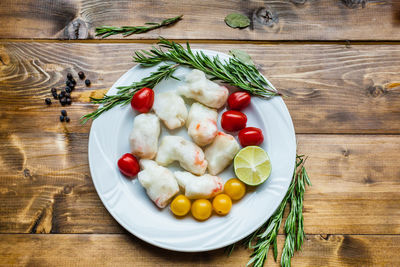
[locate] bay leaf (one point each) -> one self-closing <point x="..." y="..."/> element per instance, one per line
<point x="242" y="56"/>
<point x="236" y="20"/>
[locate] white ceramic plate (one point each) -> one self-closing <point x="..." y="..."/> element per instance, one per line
<point x="128" y="203"/>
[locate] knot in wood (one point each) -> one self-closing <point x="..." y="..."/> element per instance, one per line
<point x="67" y="189"/>
<point x="376" y="91"/>
<point x="265" y="16"/>
<point x="325" y="236"/>
<point x="4" y="57"/>
<point x="346" y="152"/>
<point x="368" y="180"/>
<point x="27" y="173"/>
<point x="298" y="2"/>
<point x="355" y="3"/>
<point x="76" y="29"/>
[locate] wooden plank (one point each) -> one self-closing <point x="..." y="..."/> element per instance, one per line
<point x="46" y="185"/>
<point x="355" y="184"/>
<point x="330" y="88"/>
<point x="125" y="250"/>
<point x="274" y="20"/>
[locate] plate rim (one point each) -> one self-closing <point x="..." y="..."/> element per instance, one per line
<point x="150" y="240"/>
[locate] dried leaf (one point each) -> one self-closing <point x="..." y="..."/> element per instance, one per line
<point x="236" y="20"/>
<point x="242" y="56"/>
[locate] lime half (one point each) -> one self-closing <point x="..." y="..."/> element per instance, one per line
<point x="252" y="165"/>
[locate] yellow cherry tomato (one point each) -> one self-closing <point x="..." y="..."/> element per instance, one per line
<point x="222" y="204"/>
<point x="235" y="188"/>
<point x="201" y="209"/>
<point x="180" y="206"/>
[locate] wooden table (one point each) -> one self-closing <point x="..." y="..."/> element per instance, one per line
<point x="337" y="61"/>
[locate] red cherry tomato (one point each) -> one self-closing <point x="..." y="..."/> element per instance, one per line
<point x="143" y="100"/>
<point x="233" y="120"/>
<point x="128" y="165"/>
<point x="239" y="100"/>
<point x="251" y="136"/>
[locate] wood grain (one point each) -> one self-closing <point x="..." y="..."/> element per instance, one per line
<point x="356" y="183"/>
<point x="335" y="92"/>
<point x="329" y="88"/>
<point x="274" y="20"/>
<point x="126" y="250"/>
<point x="46" y="185"/>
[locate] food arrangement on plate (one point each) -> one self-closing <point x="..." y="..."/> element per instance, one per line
<point x="196" y="188"/>
<point x="197" y="133"/>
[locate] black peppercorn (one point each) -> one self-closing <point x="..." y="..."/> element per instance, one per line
<point x="67" y="95"/>
<point x="54" y="92"/>
<point x="81" y="75"/>
<point x="73" y="82"/>
<point x="62" y="94"/>
<point x="64" y="112"/>
<point x="61" y="118"/>
<point x="68" y="89"/>
<point x="69" y="76"/>
<point x="70" y="84"/>
<point x="69" y="101"/>
<point x="63" y="101"/>
<point x="87" y="82"/>
<point x="47" y="101"/>
<point x="67" y="119"/>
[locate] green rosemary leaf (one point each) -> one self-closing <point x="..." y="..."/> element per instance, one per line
<point x="275" y="249"/>
<point x="229" y="249"/>
<point x="307" y="178"/>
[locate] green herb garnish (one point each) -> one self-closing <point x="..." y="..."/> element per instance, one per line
<point x="105" y="31"/>
<point x="266" y="236"/>
<point x="234" y="71"/>
<point x="125" y="93"/>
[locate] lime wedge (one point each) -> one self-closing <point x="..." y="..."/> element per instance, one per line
<point x="252" y="165"/>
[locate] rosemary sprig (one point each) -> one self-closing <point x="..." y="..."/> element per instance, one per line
<point x="125" y="93"/>
<point x="105" y="31"/>
<point x="294" y="226"/>
<point x="234" y="71"/>
<point x="266" y="236"/>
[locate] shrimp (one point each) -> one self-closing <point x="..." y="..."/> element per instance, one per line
<point x="159" y="182"/>
<point x="221" y="152"/>
<point x="144" y="136"/>
<point x="207" y="92"/>
<point x="205" y="186"/>
<point x="188" y="154"/>
<point x="202" y="124"/>
<point x="171" y="109"/>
